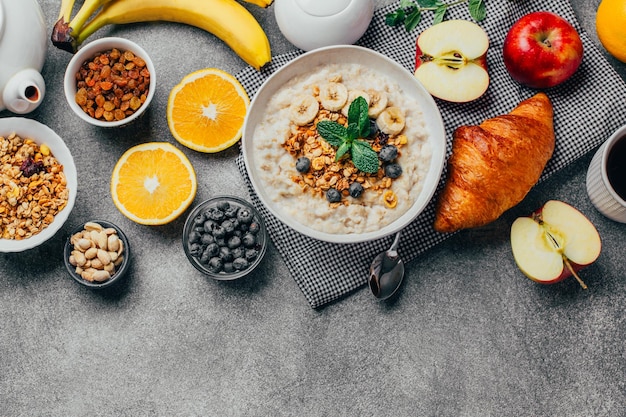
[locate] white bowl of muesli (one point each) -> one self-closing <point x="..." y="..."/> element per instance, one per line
<point x="344" y="145"/>
<point x="38" y="183"/>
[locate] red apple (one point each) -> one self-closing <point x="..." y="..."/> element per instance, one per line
<point x="451" y="60"/>
<point x="554" y="243"/>
<point x="541" y="50"/>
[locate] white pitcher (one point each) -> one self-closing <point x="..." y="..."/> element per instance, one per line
<point x="23" y="44"/>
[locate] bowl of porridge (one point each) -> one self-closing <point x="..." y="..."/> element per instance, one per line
<point x="38" y="183"/>
<point x="344" y="145"/>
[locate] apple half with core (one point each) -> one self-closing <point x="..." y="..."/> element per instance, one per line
<point x="554" y="243"/>
<point x="542" y="50"/>
<point x="451" y="60"/>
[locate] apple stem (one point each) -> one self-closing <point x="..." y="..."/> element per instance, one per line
<point x="569" y="267"/>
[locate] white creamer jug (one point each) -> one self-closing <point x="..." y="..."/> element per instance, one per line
<point x="22" y="54"/>
<point x="311" y="24"/>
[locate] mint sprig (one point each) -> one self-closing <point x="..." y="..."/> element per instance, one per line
<point x="348" y="139"/>
<point x="410" y="12"/>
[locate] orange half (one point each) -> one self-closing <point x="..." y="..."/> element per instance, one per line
<point x="207" y="109"/>
<point x="153" y="183"/>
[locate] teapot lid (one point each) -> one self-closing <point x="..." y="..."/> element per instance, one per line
<point x="322" y="8"/>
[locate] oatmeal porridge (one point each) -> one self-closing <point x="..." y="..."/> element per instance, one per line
<point x="312" y="119"/>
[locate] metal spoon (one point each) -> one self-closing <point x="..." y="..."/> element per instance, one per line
<point x="386" y="272"/>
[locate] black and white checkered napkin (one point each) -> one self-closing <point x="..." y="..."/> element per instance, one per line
<point x="587" y="108"/>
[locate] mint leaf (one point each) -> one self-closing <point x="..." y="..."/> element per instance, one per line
<point x="412" y="20"/>
<point x="477" y="9"/>
<point x="396" y="18"/>
<point x="440" y="14"/>
<point x="364" y="157"/>
<point x="357" y="116"/>
<point x="406" y="3"/>
<point x="332" y="132"/>
<point x="429" y="4"/>
<point x="343" y="149"/>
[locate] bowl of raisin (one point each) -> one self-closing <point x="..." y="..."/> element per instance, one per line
<point x="225" y="237"/>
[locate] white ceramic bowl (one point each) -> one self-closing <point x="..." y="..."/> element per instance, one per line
<point x="40" y="133"/>
<point x="407" y="83"/>
<point x="87" y="52"/>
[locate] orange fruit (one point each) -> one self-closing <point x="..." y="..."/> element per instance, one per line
<point x="153" y="183"/>
<point x="207" y="109"/>
<point x="611" y="27"/>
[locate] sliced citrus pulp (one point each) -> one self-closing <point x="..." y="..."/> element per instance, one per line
<point x="207" y="109"/>
<point x="153" y="183"/>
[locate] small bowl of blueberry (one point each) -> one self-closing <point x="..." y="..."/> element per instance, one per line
<point x="225" y="237"/>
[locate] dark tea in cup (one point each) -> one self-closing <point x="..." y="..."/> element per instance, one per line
<point x="616" y="167"/>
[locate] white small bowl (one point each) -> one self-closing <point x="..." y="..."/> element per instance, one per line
<point x="87" y="52"/>
<point x="347" y="54"/>
<point x="42" y="134"/>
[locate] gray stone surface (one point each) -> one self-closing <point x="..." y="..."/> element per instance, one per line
<point x="468" y="335"/>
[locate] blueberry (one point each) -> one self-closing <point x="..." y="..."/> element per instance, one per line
<point x="199" y="220"/>
<point x="373" y="129"/>
<point x="194" y="236"/>
<point x="393" y="170"/>
<point x="303" y="164"/>
<point x="215" y="264"/>
<point x="207" y="238"/>
<point x="333" y="196"/>
<point x="219" y="232"/>
<point x="234" y="242"/>
<point x="222" y="205"/>
<point x="238" y="252"/>
<point x="228" y="226"/>
<point x="240" y="264"/>
<point x="208" y="226"/>
<point x="225" y="254"/>
<point x="254" y="228"/>
<point x="245" y="216"/>
<point x="251" y="254"/>
<point x="249" y="240"/>
<point x="211" y="250"/>
<point x="216" y="214"/>
<point x="231" y="212"/>
<point x="228" y="267"/>
<point x="388" y="153"/>
<point x="195" y="249"/>
<point x="356" y="189"/>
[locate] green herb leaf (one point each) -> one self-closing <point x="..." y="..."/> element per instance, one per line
<point x="477" y="9"/>
<point x="440" y="14"/>
<point x="396" y="18"/>
<point x="429" y="4"/>
<point x="357" y="115"/>
<point x="343" y="149"/>
<point x="364" y="157"/>
<point x="407" y="3"/>
<point x="332" y="132"/>
<point x="412" y="20"/>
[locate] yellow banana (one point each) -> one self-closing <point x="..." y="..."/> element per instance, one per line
<point x="226" y="19"/>
<point x="63" y="31"/>
<point x="261" y="3"/>
<point x="66" y="10"/>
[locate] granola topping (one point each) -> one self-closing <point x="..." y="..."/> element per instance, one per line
<point x="33" y="188"/>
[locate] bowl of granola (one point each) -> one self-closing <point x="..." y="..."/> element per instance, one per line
<point x="38" y="183"/>
<point x="344" y="145"/>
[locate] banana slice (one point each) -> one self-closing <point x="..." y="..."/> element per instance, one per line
<point x="378" y="103"/>
<point x="303" y="110"/>
<point x="333" y="96"/>
<point x="353" y="94"/>
<point x="391" y="121"/>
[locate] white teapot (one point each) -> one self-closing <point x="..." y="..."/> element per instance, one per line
<point x="23" y="43"/>
<point x="311" y="24"/>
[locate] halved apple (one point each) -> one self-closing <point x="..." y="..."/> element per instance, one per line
<point x="451" y="60"/>
<point x="554" y="243"/>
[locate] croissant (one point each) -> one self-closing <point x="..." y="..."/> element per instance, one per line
<point x="494" y="165"/>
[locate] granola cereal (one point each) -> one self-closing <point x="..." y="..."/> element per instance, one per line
<point x="33" y="187"/>
<point x="280" y="140"/>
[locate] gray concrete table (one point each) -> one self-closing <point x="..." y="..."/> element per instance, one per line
<point x="468" y="336"/>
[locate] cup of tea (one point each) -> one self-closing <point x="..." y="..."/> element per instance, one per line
<point x="606" y="177"/>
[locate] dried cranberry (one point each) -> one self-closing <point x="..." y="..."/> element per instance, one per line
<point x="29" y="167"/>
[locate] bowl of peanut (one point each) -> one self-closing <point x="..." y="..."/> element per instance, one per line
<point x="97" y="254"/>
<point x="38" y="183"/>
<point x="110" y="82"/>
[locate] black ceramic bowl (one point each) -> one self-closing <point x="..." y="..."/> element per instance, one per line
<point x="74" y="264"/>
<point x="225" y="237"/>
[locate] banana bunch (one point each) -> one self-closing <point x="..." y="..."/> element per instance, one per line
<point x="226" y="19"/>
